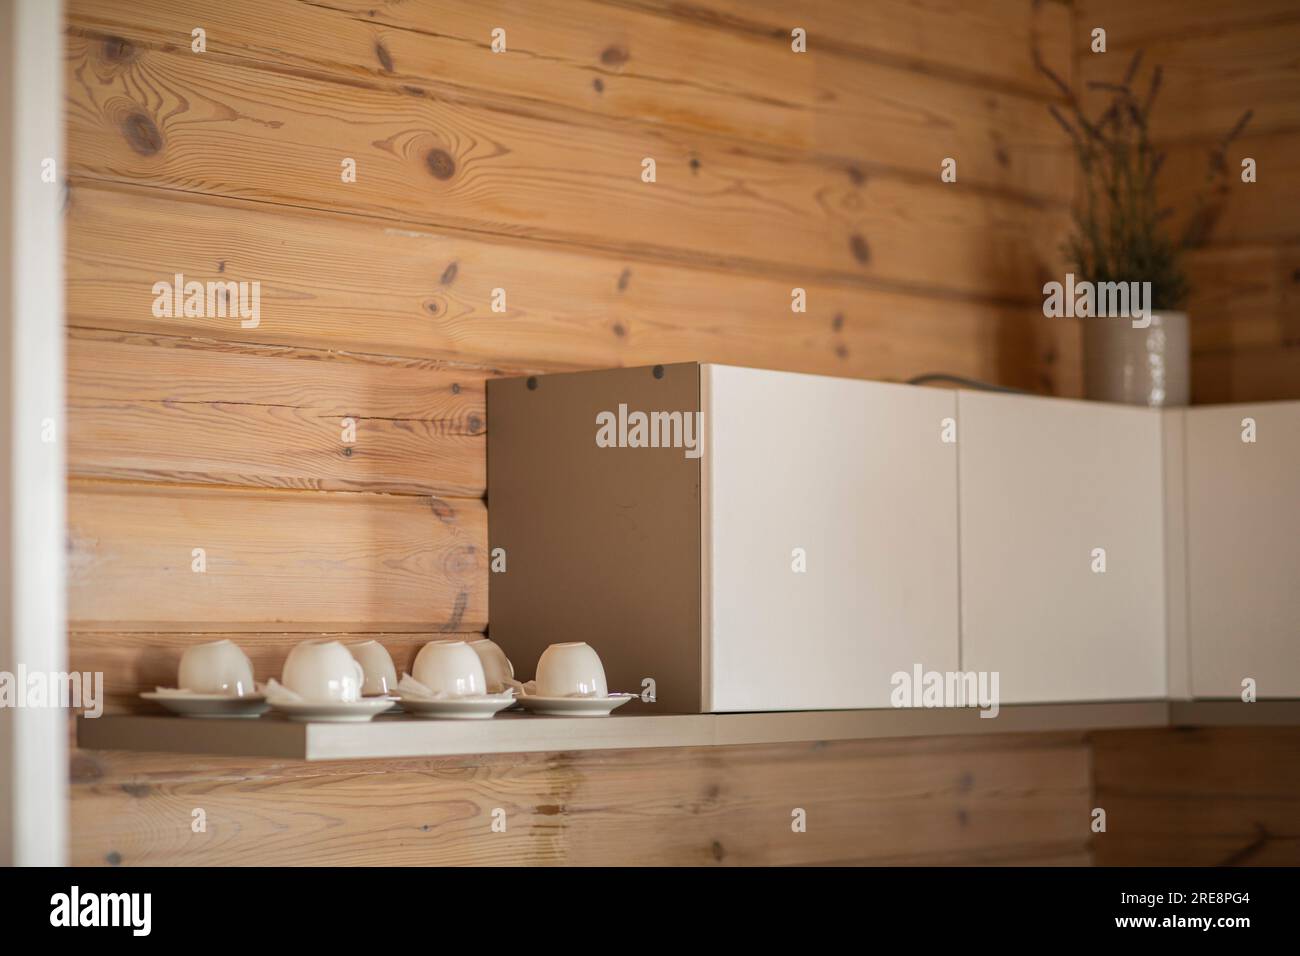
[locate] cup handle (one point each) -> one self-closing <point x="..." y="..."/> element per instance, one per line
<point x="511" y="668"/>
<point x="361" y="676"/>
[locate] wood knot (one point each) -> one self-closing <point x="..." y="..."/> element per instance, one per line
<point x="457" y="613"/>
<point x="858" y="246"/>
<point x="384" y="57"/>
<point x="118" y="50"/>
<point x="441" y="164"/>
<point x="141" y="134"/>
<point x="614" y="56"/>
<point x="449" y="274"/>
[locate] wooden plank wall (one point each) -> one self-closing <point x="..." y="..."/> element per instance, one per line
<point x="514" y="179"/>
<point x="1206" y="797"/>
<point x="484" y="175"/>
<point x="996" y="800"/>
<point x="1219" y="59"/>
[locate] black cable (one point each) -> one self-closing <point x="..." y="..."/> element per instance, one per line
<point x="964" y="382"/>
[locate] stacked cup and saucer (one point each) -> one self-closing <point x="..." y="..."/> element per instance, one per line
<point x="457" y="680"/>
<point x="322" y="681"/>
<point x="214" y="680"/>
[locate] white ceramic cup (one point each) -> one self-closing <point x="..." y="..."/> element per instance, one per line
<point x="571" y="670"/>
<point x="219" y="667"/>
<point x="323" y="671"/>
<point x="377" y="663"/>
<point x="450" y="667"/>
<point x="497" y="668"/>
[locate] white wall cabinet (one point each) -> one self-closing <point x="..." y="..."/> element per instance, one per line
<point x="1243" y="548"/>
<point x="831" y="538"/>
<point x="1046" y="486"/>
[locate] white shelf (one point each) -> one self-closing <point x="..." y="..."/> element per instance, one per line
<point x="402" y="736"/>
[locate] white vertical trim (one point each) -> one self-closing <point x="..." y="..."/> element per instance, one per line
<point x="33" y="742"/>
<point x="706" y="538"/>
<point x="1173" y="424"/>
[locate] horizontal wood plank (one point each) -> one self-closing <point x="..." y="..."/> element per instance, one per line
<point x="1262" y="211"/>
<point x="1244" y="297"/>
<point x="275" y="561"/>
<point x="210" y="125"/>
<point x="864" y="800"/>
<point x="1132" y="24"/>
<point x="180" y="409"/>
<point x="1209" y="77"/>
<point x="135" y="662"/>
<point x="1205" y="797"/>
<point x="1246" y="375"/>
<point x="985" y="42"/>
<point x="596" y="64"/>
<point x="429" y="294"/>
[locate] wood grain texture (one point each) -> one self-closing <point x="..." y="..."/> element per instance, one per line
<point x="341" y="282"/>
<point x="595" y="64"/>
<point x="1211" y="76"/>
<point x="1262" y="211"/>
<point x="300" y="561"/>
<point x="133" y="662"/>
<point x="181" y="409"/>
<point x="211" y="125"/>
<point x="1205" y="797"/>
<point x="1246" y="375"/>
<point x="985" y="43"/>
<point x="1245" y="297"/>
<point x="1132" y="24"/>
<point x="956" y="801"/>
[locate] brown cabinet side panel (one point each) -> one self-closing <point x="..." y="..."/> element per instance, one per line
<point x="602" y="544"/>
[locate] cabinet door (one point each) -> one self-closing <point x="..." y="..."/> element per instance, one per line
<point x="1049" y="489"/>
<point x="830" y="526"/>
<point x="1243" y="548"/>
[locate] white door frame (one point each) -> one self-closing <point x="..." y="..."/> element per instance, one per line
<point x="33" y="741"/>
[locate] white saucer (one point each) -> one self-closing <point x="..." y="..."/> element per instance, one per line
<point x="209" y="705"/>
<point x="455" y="708"/>
<point x="332" y="712"/>
<point x="574" y="706"/>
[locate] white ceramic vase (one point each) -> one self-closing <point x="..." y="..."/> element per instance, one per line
<point x="1149" y="366"/>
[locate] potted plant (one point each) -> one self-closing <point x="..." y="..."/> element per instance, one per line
<point x="1122" y="236"/>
